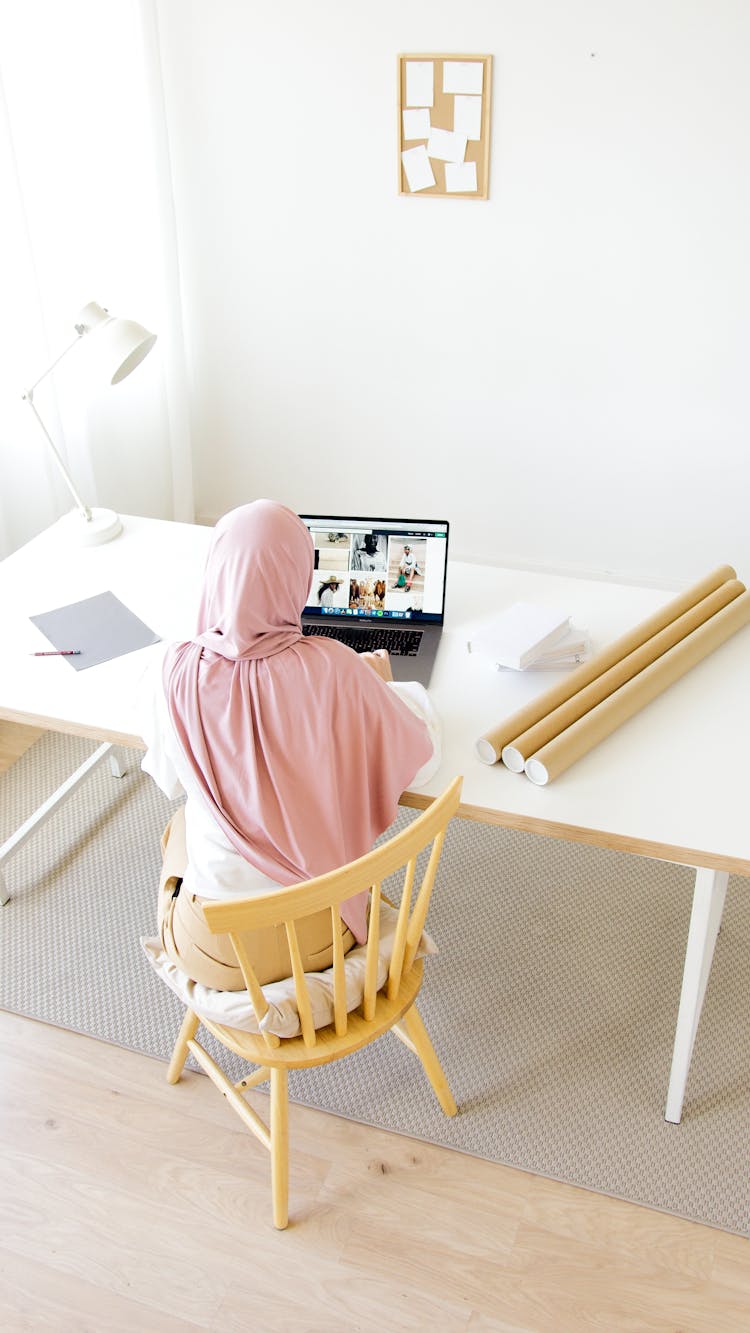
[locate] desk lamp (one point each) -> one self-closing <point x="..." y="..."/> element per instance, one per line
<point x="117" y="347"/>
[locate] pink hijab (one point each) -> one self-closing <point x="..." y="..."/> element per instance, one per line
<point x="299" y="748"/>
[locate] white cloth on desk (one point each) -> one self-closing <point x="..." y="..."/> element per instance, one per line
<point x="215" y="869"/>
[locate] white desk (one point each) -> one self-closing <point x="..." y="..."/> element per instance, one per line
<point x="668" y="785"/>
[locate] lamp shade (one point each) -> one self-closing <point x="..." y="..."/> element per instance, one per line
<point x="117" y="345"/>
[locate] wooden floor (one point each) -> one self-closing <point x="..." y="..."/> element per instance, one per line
<point x="129" y="1203"/>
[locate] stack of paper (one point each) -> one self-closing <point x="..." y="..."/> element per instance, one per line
<point x="524" y="634"/>
<point x="574" y="647"/>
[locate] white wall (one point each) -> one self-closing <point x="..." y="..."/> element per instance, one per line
<point x="562" y="370"/>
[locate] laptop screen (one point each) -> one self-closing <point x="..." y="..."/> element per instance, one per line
<point x="390" y="569"/>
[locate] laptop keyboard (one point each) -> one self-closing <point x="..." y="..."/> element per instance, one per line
<point x="402" y="643"/>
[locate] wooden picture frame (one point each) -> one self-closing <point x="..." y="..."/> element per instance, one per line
<point x="444" y="108"/>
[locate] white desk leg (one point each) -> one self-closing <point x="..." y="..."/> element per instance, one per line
<point x="49" y="807"/>
<point x="705" y="919"/>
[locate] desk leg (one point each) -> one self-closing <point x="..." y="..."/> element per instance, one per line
<point x="705" y="919"/>
<point x="49" y="807"/>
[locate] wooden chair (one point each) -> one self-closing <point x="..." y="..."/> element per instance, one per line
<point x="390" y="1008"/>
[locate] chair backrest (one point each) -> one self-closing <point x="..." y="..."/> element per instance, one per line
<point x="287" y="906"/>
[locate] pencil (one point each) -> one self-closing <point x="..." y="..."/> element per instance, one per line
<point x="58" y="652"/>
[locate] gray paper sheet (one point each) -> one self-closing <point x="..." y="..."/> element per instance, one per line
<point x="102" y="627"/>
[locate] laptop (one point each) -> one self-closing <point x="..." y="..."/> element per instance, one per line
<point x="380" y="583"/>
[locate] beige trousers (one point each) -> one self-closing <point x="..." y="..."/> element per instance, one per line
<point x="210" y="959"/>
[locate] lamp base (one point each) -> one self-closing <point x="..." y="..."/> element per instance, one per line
<point x="102" y="527"/>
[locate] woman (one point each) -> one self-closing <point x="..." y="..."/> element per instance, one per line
<point x="327" y="589"/>
<point x="292" y="751"/>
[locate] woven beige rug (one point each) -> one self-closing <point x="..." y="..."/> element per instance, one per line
<point x="552" y="1003"/>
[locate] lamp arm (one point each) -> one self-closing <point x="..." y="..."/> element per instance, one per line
<point x="29" y="392"/>
<point x="29" y="396"/>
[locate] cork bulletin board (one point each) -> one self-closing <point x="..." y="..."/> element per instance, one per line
<point x="444" y="125"/>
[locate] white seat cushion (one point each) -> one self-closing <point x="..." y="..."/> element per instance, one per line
<point x="234" y="1009"/>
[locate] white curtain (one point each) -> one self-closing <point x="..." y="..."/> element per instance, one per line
<point x="87" y="215"/>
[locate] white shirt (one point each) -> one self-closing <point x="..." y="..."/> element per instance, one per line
<point x="215" y="868"/>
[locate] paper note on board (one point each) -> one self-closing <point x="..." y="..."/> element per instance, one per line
<point x="419" y="83"/>
<point x="467" y="116"/>
<point x="418" y="169"/>
<point x="446" y="145"/>
<point x="462" y="76"/>
<point x="417" y="123"/>
<point x="461" y="177"/>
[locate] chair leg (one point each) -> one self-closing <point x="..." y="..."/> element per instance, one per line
<point x="416" y="1037"/>
<point x="190" y="1024"/>
<point x="280" y="1148"/>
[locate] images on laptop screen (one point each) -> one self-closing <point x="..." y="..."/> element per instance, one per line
<point x="390" y="569"/>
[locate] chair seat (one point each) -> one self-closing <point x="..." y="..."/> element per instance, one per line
<point x="234" y="1009"/>
<point x="294" y="1054"/>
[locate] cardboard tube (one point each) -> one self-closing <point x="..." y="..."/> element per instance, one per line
<point x="600" y="722"/>
<point x="515" y="754"/>
<point x="489" y="747"/>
